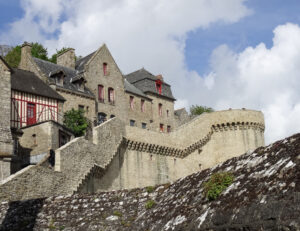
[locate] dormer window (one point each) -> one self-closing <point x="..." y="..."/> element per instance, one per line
<point x="105" y="71"/>
<point x="59" y="80"/>
<point x="80" y="85"/>
<point x="158" y="86"/>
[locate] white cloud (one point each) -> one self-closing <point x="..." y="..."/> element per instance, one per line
<point x="260" y="78"/>
<point x="152" y="34"/>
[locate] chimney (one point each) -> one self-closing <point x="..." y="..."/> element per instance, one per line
<point x="160" y="77"/>
<point x="25" y="55"/>
<point x="67" y="58"/>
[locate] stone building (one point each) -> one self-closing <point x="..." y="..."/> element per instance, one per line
<point x="33" y="119"/>
<point x="96" y="84"/>
<point x="137" y="139"/>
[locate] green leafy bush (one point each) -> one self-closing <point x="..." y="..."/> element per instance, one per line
<point x="217" y="184"/>
<point x="149" y="204"/>
<point x="76" y="121"/>
<point x="198" y="110"/>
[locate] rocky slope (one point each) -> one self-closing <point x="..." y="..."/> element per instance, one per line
<point x="265" y="195"/>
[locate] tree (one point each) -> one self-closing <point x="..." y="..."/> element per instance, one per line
<point x="13" y="57"/>
<point x="76" y="121"/>
<point x="198" y="110"/>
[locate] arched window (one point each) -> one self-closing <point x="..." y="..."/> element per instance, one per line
<point x="105" y="71"/>
<point x="111" y="95"/>
<point x="100" y="93"/>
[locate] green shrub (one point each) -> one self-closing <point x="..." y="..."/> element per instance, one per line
<point x="149" y="189"/>
<point x="149" y="204"/>
<point x="117" y="213"/>
<point x="217" y="183"/>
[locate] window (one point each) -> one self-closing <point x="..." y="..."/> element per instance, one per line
<point x="158" y="86"/>
<point x="105" y="69"/>
<point x="81" y="107"/>
<point x="132" y="123"/>
<point x="167" y="113"/>
<point x="168" y="128"/>
<point x="131" y="102"/>
<point x="112" y="116"/>
<point x="161" y="128"/>
<point x="111" y="97"/>
<point x="160" y="109"/>
<point x="144" y="125"/>
<point x="142" y="105"/>
<point x="101" y="117"/>
<point x="31" y="113"/>
<point x="100" y="93"/>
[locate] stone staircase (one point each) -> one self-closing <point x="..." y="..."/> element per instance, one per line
<point x="99" y="169"/>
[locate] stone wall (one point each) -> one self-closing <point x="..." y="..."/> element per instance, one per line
<point x="94" y="75"/>
<point x="75" y="100"/>
<point x="6" y="144"/>
<point x="136" y="113"/>
<point x="40" y="138"/>
<point x="67" y="58"/>
<point x="167" y="117"/>
<point x="126" y="157"/>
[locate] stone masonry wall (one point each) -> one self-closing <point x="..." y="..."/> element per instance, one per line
<point x="74" y="100"/>
<point x="95" y="76"/>
<point x="146" y="160"/>
<point x="136" y="113"/>
<point x="6" y="144"/>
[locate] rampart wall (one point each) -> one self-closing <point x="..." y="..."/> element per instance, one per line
<point x="121" y="156"/>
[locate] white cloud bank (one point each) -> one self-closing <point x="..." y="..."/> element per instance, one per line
<point x="152" y="34"/>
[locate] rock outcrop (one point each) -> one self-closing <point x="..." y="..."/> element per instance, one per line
<point x="265" y="195"/>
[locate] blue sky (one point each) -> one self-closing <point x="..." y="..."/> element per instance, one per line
<point x="208" y="50"/>
<point x="249" y="31"/>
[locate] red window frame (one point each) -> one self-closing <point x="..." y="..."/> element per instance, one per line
<point x="168" y="128"/>
<point x="100" y="93"/>
<point x="161" y="127"/>
<point x="142" y="105"/>
<point x="104" y="68"/>
<point x="158" y="86"/>
<point x="131" y="102"/>
<point x="111" y="95"/>
<point x="31" y="113"/>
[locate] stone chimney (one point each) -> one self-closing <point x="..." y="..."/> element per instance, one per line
<point x="25" y="55"/>
<point x="67" y="58"/>
<point x="160" y="77"/>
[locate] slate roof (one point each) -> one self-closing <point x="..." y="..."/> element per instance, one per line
<point x="132" y="89"/>
<point x="49" y="69"/>
<point x="145" y="81"/>
<point x="27" y="81"/>
<point x="81" y="62"/>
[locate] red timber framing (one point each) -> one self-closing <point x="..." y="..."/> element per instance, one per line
<point x="28" y="109"/>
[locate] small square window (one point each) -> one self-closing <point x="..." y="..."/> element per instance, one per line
<point x="81" y="107"/>
<point x="168" y="128"/>
<point x="132" y="123"/>
<point x="144" y="125"/>
<point x="161" y="128"/>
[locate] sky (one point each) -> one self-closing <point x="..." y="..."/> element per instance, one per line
<point x="218" y="53"/>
